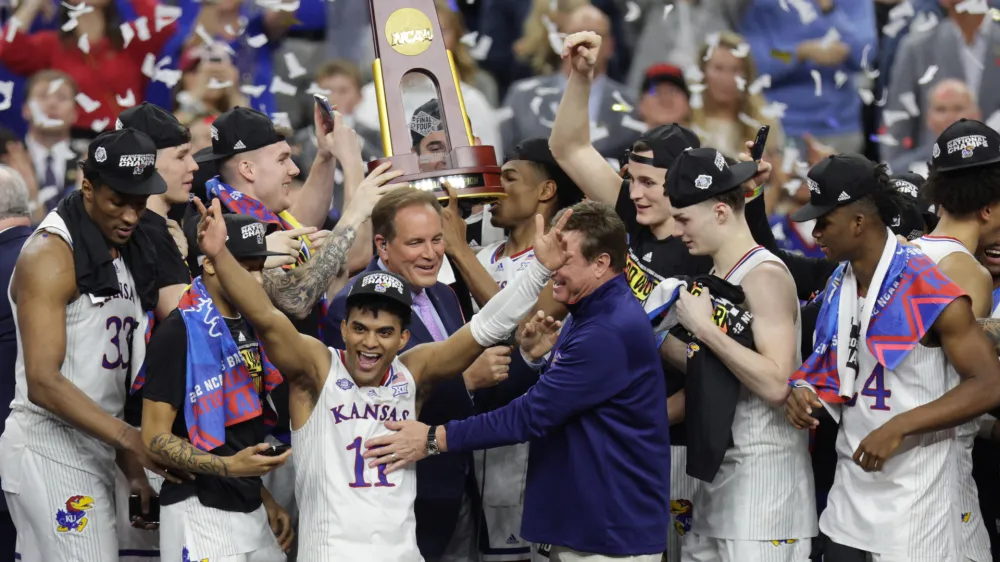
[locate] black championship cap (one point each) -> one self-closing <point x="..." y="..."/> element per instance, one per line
<point x="667" y="142"/>
<point x="158" y="124"/>
<point x="246" y="237"/>
<point x="426" y="120"/>
<point x="240" y="130"/>
<point x="381" y="284"/>
<point x="663" y="73"/>
<point x="126" y="161"/>
<point x="834" y="182"/>
<point x="537" y="150"/>
<point x="967" y="143"/>
<point x="917" y="214"/>
<point x="702" y="173"/>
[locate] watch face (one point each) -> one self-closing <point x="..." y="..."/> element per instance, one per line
<point x="432" y="448"/>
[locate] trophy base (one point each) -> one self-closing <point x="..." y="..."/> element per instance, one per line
<point x="474" y="173"/>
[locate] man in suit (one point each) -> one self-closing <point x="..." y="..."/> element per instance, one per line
<point x="409" y="239"/>
<point x="532" y="103"/>
<point x="50" y="110"/>
<point x="15" y="227"/>
<point x="963" y="46"/>
<point x="949" y="101"/>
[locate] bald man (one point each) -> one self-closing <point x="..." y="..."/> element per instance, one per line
<point x="532" y="102"/>
<point x="949" y="101"/>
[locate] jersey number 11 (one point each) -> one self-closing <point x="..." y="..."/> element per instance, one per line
<point x="359" y="469"/>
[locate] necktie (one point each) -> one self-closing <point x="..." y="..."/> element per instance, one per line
<point x="425" y="311"/>
<point x="49" y="181"/>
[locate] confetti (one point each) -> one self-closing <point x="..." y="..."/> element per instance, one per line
<point x="893" y="28"/>
<point x="791" y="156"/>
<point x="71" y="24"/>
<point x="773" y="111"/>
<point x="142" y="28"/>
<point x="892" y="116"/>
<point x="741" y="51"/>
<point x="478" y="45"/>
<point x="127" y="34"/>
<point x="830" y="38"/>
<point x="633" y="12"/>
<point x="253" y="91"/>
<point x="741" y="83"/>
<point x="279" y="86"/>
<point x="634" y="124"/>
<point x="556" y="39"/>
<point x="83" y="44"/>
<point x="215" y="84"/>
<point x="748" y="121"/>
<point x="98" y="125"/>
<point x="168" y="76"/>
<point x="55" y="85"/>
<point x="86" y="103"/>
<point x="760" y="84"/>
<point x="279" y="6"/>
<point x="924" y="22"/>
<point x="995" y="14"/>
<point x="281" y="120"/>
<point x="696" y="90"/>
<point x="783" y="56"/>
<point x="535" y="105"/>
<point x="839" y="78"/>
<point x="783" y="4"/>
<point x="886" y="139"/>
<point x="315" y="89"/>
<point x="666" y="11"/>
<point x="693" y="74"/>
<point x="6" y="91"/>
<point x="12" y="28"/>
<point x="165" y="15"/>
<point x="806" y="10"/>
<point x="128" y="100"/>
<point x="295" y="68"/>
<point x="620" y="106"/>
<point x="909" y="101"/>
<point x="928" y="75"/>
<point x="257" y="41"/>
<point x="818" y="81"/>
<point x="712" y="41"/>
<point x="972" y="7"/>
<point x="545" y="91"/>
<point x="503" y="114"/>
<point x="867" y="97"/>
<point x="902" y="10"/>
<point x="870" y="72"/>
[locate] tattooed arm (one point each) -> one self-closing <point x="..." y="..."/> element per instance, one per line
<point x="297" y="291"/>
<point x="176" y="452"/>
<point x="992" y="328"/>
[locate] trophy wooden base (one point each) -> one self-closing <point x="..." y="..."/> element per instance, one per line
<point x="473" y="172"/>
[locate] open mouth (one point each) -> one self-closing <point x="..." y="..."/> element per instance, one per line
<point x="124" y="232"/>
<point x="993" y="253"/>
<point x="367" y="361"/>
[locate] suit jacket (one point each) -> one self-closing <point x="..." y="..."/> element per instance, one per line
<point x="939" y="47"/>
<point x="532" y="104"/>
<point x="441" y="480"/>
<point x="11" y="242"/>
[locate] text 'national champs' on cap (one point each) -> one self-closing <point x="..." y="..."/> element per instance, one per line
<point x="967" y="143"/>
<point x="126" y="161"/>
<point x="381" y="284"/>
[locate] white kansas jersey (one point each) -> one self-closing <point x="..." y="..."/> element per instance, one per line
<point x="501" y="472"/>
<point x="975" y="541"/>
<point x="348" y="511"/>
<point x="905" y="510"/>
<point x="97" y="361"/>
<point x="764" y="488"/>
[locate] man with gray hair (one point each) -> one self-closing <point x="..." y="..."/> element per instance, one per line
<point x="15" y="227"/>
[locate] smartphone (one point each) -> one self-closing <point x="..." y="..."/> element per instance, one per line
<point x="326" y="109"/>
<point x="135" y="509"/>
<point x="275" y="450"/>
<point x="759" y="143"/>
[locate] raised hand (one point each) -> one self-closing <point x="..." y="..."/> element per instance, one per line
<point x="539" y="336"/>
<point x="372" y="188"/>
<point x="211" y="228"/>
<point x="550" y="248"/>
<point x="581" y="49"/>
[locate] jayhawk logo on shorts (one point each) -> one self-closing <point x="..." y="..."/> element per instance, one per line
<point x="784" y="541"/>
<point x="681" y="510"/>
<point x="966" y="516"/>
<point x="185" y="557"/>
<point x="74" y="517"/>
<point x="692" y="348"/>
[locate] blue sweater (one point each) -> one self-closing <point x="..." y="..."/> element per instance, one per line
<point x="767" y="28"/>
<point x="599" y="464"/>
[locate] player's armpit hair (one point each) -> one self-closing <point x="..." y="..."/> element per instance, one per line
<point x="297" y="291"/>
<point x="991" y="327"/>
<point x="181" y="454"/>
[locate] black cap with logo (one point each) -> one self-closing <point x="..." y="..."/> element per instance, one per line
<point x="537" y="150"/>
<point x="126" y="161"/>
<point x="381" y="284"/>
<point x="667" y="142"/>
<point x="239" y="130"/>
<point x="836" y="181"/>
<point x="967" y="143"/>
<point x="916" y="214"/>
<point x="159" y="124"/>
<point x="246" y="237"/>
<point x="699" y="174"/>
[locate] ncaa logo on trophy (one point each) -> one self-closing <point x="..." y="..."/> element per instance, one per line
<point x="435" y="144"/>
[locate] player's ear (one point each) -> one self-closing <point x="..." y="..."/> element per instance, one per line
<point x="403" y="340"/>
<point x="207" y="267"/>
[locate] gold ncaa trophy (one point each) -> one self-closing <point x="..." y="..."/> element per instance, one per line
<point x="436" y="143"/>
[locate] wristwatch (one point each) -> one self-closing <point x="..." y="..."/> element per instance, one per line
<point x="432" y="442"/>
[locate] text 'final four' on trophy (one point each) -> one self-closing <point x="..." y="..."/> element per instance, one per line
<point x="435" y="143"/>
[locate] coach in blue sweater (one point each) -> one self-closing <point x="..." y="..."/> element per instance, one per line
<point x="599" y="464"/>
